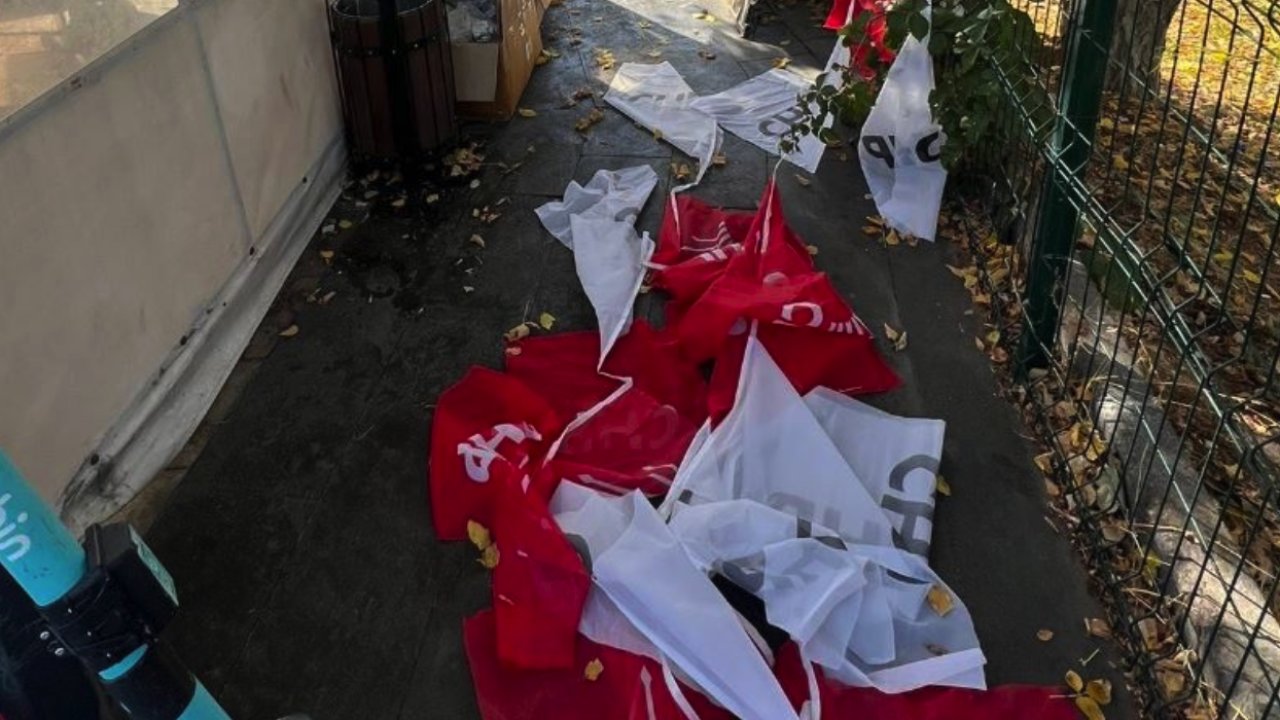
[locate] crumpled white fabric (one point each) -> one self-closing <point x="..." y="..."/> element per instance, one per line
<point x="610" y="259"/>
<point x="617" y="195"/>
<point x="769" y="499"/>
<point x="657" y="97"/>
<point x="644" y="572"/>
<point x="762" y="110"/>
<point x="597" y="222"/>
<point x="900" y="146"/>
<point x="895" y="458"/>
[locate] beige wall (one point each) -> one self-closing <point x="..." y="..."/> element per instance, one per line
<point x="126" y="205"/>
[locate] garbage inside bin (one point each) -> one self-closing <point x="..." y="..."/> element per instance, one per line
<point x="473" y="20"/>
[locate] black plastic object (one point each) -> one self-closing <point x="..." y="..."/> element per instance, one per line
<point x="123" y="601"/>
<point x="36" y="684"/>
<point x="395" y="73"/>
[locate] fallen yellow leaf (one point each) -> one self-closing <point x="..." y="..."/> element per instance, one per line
<point x="781" y="62"/>
<point x="478" y="535"/>
<point x="1074" y="681"/>
<point x="890" y="333"/>
<point x="527" y="112"/>
<point x="1097" y="627"/>
<point x="811" y="249"/>
<point x="517" y="333"/>
<point x="1099" y="691"/>
<point x="345" y="224"/>
<point x="1089" y="708"/>
<point x="546" y="320"/>
<point x="942" y="486"/>
<point x="719" y="160"/>
<point x="289" y="331"/>
<point x="940" y="600"/>
<point x="490" y="556"/>
<point x="593" y="669"/>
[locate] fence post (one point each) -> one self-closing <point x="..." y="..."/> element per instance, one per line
<point x="1079" y="101"/>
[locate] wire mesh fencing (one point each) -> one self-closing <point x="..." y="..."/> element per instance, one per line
<point x="1124" y="233"/>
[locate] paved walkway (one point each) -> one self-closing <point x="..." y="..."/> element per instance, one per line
<point x="299" y="531"/>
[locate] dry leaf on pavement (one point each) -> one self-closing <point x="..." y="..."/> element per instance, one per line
<point x="517" y="333"/>
<point x="942" y="486"/>
<point x="940" y="600"/>
<point x="478" y="535"/>
<point x="489" y="557"/>
<point x="1089" y="708"/>
<point x="1074" y="681"/>
<point x="289" y="331"/>
<point x="546" y="320"/>
<point x="1099" y="690"/>
<point x="1044" y="635"/>
<point x="593" y="669"/>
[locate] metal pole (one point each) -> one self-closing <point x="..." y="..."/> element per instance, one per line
<point x="1079" y="101"/>
<point x="48" y="564"/>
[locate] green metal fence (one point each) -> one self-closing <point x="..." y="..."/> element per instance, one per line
<point x="1126" y="239"/>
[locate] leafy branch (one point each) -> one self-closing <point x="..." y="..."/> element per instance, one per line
<point x="984" y="52"/>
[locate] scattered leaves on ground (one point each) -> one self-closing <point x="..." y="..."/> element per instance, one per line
<point x="546" y="320"/>
<point x="586" y="122"/>
<point x="579" y="95"/>
<point x="898" y="338"/>
<point x="604" y="59"/>
<point x="290" y="331"/>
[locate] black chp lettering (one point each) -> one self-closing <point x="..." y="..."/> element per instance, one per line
<point x="880" y="147"/>
<point x="929" y="149"/>
<point x="779" y="124"/>
<point x="898" y="476"/>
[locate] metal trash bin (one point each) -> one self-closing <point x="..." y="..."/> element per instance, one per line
<point x="395" y="75"/>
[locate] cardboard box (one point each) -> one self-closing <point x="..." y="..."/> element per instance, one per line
<point x="491" y="77"/>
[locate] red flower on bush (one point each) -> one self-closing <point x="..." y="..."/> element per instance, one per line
<point x="873" y="41"/>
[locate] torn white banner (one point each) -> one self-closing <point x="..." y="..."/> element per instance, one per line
<point x="597" y="221"/>
<point x="900" y="147"/>
<point x="861" y="612"/>
<point x="771" y="449"/>
<point x="610" y="258"/>
<point x="763" y="109"/>
<point x="895" y="458"/>
<point x="646" y="574"/>
<point x="659" y="99"/>
<point x="609" y="194"/>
